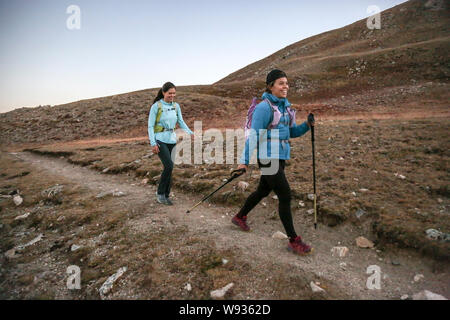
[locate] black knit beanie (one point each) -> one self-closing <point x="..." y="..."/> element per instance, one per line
<point x="274" y="75"/>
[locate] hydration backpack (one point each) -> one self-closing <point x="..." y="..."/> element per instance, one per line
<point x="276" y="116"/>
<point x="157" y="127"/>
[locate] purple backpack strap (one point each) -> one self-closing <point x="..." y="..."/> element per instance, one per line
<point x="291" y="113"/>
<point x="276" y="115"/>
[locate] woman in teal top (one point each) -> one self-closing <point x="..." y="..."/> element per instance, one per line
<point x="163" y="117"/>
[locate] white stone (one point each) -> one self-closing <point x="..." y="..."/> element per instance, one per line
<point x="224" y="261"/>
<point x="275" y="197"/>
<point x="433" y="234"/>
<point x="117" y="193"/>
<point x="74" y="247"/>
<point x="311" y="196"/>
<point x="404" y="297"/>
<point x="37" y="239"/>
<point x="340" y="251"/>
<point x="242" y="185"/>
<point x="144" y="181"/>
<point x="315" y="288"/>
<point x="108" y="284"/>
<point x="363" y="190"/>
<point x="310" y="211"/>
<point x="279" y="235"/>
<point x="17" y="200"/>
<point x="428" y="295"/>
<point x="418" y="277"/>
<point x="26" y="215"/>
<point x="264" y="204"/>
<point x="343" y="265"/>
<point x="220" y="293"/>
<point x="301" y="204"/>
<point x="188" y="287"/>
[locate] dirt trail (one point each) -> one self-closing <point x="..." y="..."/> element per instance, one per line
<point x="260" y="249"/>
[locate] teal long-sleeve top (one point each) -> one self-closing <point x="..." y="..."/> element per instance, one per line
<point x="262" y="117"/>
<point x="170" y="116"/>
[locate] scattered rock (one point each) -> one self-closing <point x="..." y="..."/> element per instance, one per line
<point x="224" y="261"/>
<point x="105" y="170"/>
<point x="17" y="200"/>
<point x="400" y="176"/>
<point x="363" y="190"/>
<point x="37" y="239"/>
<point x="428" y="295"/>
<point x="114" y="193"/>
<point x="279" y="235"/>
<point x="310" y="211"/>
<point x="339" y="251"/>
<point x="404" y="297"/>
<point x="23" y="216"/>
<point x="418" y="277"/>
<point x="264" y="204"/>
<point x="359" y="213"/>
<point x="11" y="254"/>
<point x="434" y="234"/>
<point x="301" y="204"/>
<point x="242" y="185"/>
<point x="53" y="191"/>
<point x="275" y="197"/>
<point x="220" y="293"/>
<point x="188" y="287"/>
<point x="108" y="284"/>
<point x="103" y="194"/>
<point x="145" y="181"/>
<point x="315" y="288"/>
<point x="343" y="265"/>
<point x="364" y="243"/>
<point x="74" y="247"/>
<point x="311" y="196"/>
<point x="354" y="193"/>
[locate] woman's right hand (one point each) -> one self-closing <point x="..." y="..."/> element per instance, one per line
<point x="155" y="149"/>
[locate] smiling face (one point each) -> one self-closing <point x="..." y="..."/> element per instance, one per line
<point x="280" y="88"/>
<point x="169" y="95"/>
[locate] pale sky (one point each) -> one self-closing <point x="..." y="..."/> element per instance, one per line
<point x="124" y="46"/>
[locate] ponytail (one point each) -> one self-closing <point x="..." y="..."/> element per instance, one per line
<point x="166" y="87"/>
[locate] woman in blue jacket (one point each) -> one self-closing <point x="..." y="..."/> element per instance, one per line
<point x="163" y="117"/>
<point x="272" y="162"/>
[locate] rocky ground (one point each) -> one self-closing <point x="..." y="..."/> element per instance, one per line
<point x="164" y="253"/>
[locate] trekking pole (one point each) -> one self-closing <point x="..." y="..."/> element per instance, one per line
<point x="311" y="120"/>
<point x="234" y="175"/>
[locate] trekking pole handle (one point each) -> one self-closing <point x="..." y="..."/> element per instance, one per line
<point x="236" y="173"/>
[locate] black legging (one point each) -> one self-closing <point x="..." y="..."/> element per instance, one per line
<point x="279" y="184"/>
<point x="165" y="152"/>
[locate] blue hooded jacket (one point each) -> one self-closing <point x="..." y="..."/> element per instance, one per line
<point x="262" y="117"/>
